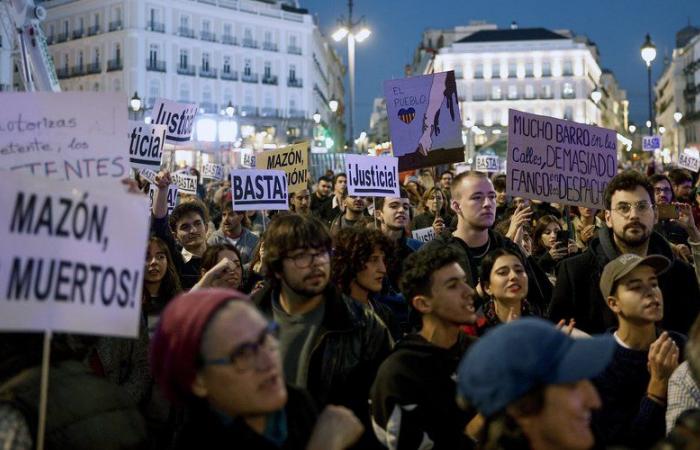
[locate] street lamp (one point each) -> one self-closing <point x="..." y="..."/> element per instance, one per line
<point x="632" y="127"/>
<point x="677" y="116"/>
<point x="596" y="95"/>
<point x="648" y="52"/>
<point x="317" y="117"/>
<point x="333" y="104"/>
<point x="354" y="31"/>
<point x="230" y="109"/>
<point x="135" y="102"/>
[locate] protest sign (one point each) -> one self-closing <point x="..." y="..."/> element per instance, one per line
<point x="372" y="176"/>
<point x="172" y="197"/>
<point x="69" y="263"/>
<point x="146" y="145"/>
<point x="64" y="135"/>
<point x="293" y="159"/>
<point x="148" y="175"/>
<point x="186" y="183"/>
<point x="689" y="159"/>
<point x="424" y="234"/>
<point x="651" y="143"/>
<point x="558" y="160"/>
<point x="177" y="117"/>
<point x="259" y="189"/>
<point x="212" y="171"/>
<point x="424" y="120"/>
<point x="487" y="163"/>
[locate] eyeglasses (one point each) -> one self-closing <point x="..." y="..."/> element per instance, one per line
<point x="624" y="208"/>
<point x="245" y="356"/>
<point x="305" y="260"/>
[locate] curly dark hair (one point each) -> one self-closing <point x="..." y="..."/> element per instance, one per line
<point x="627" y="181"/>
<point x="418" y="269"/>
<point x="352" y="248"/>
<point x="181" y="210"/>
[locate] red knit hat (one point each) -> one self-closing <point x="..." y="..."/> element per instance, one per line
<point x="177" y="341"/>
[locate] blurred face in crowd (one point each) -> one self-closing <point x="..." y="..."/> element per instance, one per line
<point x="230" y="279"/>
<point x="508" y="279"/>
<point x="564" y="423"/>
<point x="156" y="263"/>
<point x="306" y="271"/>
<point x="587" y="212"/>
<point x="355" y="204"/>
<point x="191" y="231"/>
<point x="370" y="278"/>
<point x="435" y="202"/>
<point x="549" y="235"/>
<point x="474" y="201"/>
<point x="451" y="298"/>
<point x="248" y="381"/>
<point x="324" y="188"/>
<point x="683" y="190"/>
<point x="340" y="184"/>
<point x="395" y="213"/>
<point x="446" y="181"/>
<point x="663" y="193"/>
<point x="632" y="216"/>
<point x="501" y="198"/>
<point x="301" y="202"/>
<point x="231" y="222"/>
<point x="521" y="201"/>
<point x="637" y="297"/>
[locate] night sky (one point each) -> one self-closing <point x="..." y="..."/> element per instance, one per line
<point x="616" y="26"/>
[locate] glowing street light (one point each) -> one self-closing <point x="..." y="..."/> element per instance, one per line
<point x="135" y="102"/>
<point x="648" y="52"/>
<point x="596" y="95"/>
<point x="230" y="109"/>
<point x="317" y="117"/>
<point x="677" y="116"/>
<point x="632" y="127"/>
<point x="333" y="104"/>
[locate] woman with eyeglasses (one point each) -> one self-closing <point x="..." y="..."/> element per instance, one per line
<point x="217" y="356"/>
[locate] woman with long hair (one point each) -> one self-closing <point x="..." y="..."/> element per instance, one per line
<point x="434" y="210"/>
<point x="221" y="268"/>
<point x="161" y="281"/>
<point x="548" y="252"/>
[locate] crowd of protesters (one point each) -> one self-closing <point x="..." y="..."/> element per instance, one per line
<point x="521" y="325"/>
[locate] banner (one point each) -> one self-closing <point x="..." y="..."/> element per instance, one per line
<point x="212" y="171"/>
<point x="177" y="117"/>
<point x="146" y="145"/>
<point x="689" y="159"/>
<point x="186" y="183"/>
<point x="69" y="264"/>
<point x="254" y="189"/>
<point x="172" y="197"/>
<point x="293" y="159"/>
<point x="424" y="234"/>
<point x="487" y="163"/>
<point x="372" y="176"/>
<point x="424" y="120"/>
<point x="559" y="161"/>
<point x="64" y="135"/>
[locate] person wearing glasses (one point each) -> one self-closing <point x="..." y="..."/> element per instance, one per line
<point x="215" y="355"/>
<point x="630" y="215"/>
<point x="330" y="344"/>
<point x="668" y="227"/>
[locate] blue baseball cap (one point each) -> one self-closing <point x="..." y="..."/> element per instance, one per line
<point x="511" y="359"/>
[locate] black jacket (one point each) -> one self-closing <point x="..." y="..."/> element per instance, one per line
<point x="577" y="292"/>
<point x="413" y="397"/>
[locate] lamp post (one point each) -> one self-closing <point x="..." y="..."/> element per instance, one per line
<point x="648" y="52"/>
<point x="468" y="124"/>
<point x="355" y="32"/>
<point x="135" y="104"/>
<point x="677" y="116"/>
<point x="230" y="110"/>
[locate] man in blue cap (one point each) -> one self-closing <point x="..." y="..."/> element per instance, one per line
<point x="531" y="383"/>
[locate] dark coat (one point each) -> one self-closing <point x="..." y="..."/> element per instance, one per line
<point x="577" y="292"/>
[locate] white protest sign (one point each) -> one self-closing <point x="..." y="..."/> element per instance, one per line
<point x="69" y="263"/>
<point x="689" y="159"/>
<point x="372" y="176"/>
<point x="259" y="189"/>
<point x="148" y="175"/>
<point x="186" y="183"/>
<point x="172" y="196"/>
<point x="651" y="143"/>
<point x="212" y="171"/>
<point x="487" y="163"/>
<point x="178" y="117"/>
<point x="64" y="135"/>
<point x="424" y="234"/>
<point x="146" y="145"/>
<point x="462" y="167"/>
<point x="293" y="159"/>
<point x="559" y="161"/>
<point x="247" y="158"/>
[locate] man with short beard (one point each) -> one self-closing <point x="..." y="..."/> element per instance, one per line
<point x="630" y="215"/>
<point x="233" y="232"/>
<point x="355" y="209"/>
<point x="322" y="195"/>
<point x="335" y="207"/>
<point x="300" y="202"/>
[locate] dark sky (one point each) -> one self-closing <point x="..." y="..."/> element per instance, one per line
<point x="616" y="26"/>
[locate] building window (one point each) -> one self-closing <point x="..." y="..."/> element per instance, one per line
<point x="479" y="71"/>
<point x="206" y="26"/>
<point x="97" y="19"/>
<point x="118" y="53"/>
<point x="248" y="34"/>
<point x="292" y="41"/>
<point x="246" y="67"/>
<point x="248" y="99"/>
<point x="153" y="54"/>
<point x="97" y="56"/>
<point x="80" y="58"/>
<point x="496" y="70"/>
<point x="546" y="68"/>
<point x="512" y="92"/>
<point x="184" y="21"/>
<point x="568" y="68"/>
<point x="512" y="70"/>
<point x="268" y="69"/>
<point x="567" y="91"/>
<point x="268" y="37"/>
<point x="292" y="72"/>
<point x="546" y="91"/>
<point x="65" y="62"/>
<point x="118" y="14"/>
<point x="529" y="69"/>
<point x="153" y="92"/>
<point x="495" y="93"/>
<point x="65" y="27"/>
<point x="529" y="92"/>
<point x="184" y="92"/>
<point x="227" y="29"/>
<point x="569" y="113"/>
<point x="183" y="59"/>
<point x="205" y="62"/>
<point x="227" y="64"/>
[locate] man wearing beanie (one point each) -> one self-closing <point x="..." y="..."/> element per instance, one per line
<point x="215" y="354"/>
<point x="634" y="386"/>
<point x="530" y="382"/>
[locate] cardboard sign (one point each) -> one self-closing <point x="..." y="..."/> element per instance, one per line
<point x="558" y="160"/>
<point x="651" y="143"/>
<point x="424" y="234"/>
<point x="293" y="159"/>
<point x="424" y="120"/>
<point x="172" y="197"/>
<point x="212" y="171"/>
<point x="186" y="183"/>
<point x="372" y="176"/>
<point x="64" y="135"/>
<point x="689" y="159"/>
<point x="487" y="163"/>
<point x="177" y="117"/>
<point x="146" y="145"/>
<point x="254" y="189"/>
<point x="148" y="175"/>
<point x="70" y="264"/>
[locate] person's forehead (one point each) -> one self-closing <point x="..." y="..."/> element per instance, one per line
<point x="234" y="324"/>
<point x="506" y="261"/>
<point x="473" y="185"/>
<point x="189" y="218"/>
<point x="642" y="271"/>
<point x="638" y="194"/>
<point x="449" y="271"/>
<point x="302" y="193"/>
<point x="390" y="200"/>
<point x="230" y="254"/>
<point x="446" y="175"/>
<point x="662" y="184"/>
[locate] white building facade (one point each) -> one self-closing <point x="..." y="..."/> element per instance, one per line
<point x="268" y="59"/>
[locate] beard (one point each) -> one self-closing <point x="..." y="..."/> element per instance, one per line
<point x="630" y="240"/>
<point x="301" y="288"/>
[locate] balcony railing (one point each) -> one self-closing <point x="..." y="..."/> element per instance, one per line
<point x="50" y="39"/>
<point x="230" y="75"/>
<point x="568" y="95"/>
<point x="294" y="50"/>
<point x="546" y="95"/>
<point x="114" y="64"/>
<point x="185" y="70"/>
<point x="156" y="27"/>
<point x="93" y="30"/>
<point x="250" y="78"/>
<point x="250" y="43"/>
<point x="295" y="82"/>
<point x="269" y="112"/>
<point x="154" y="65"/>
<point x="62" y="73"/>
<point x="546" y="73"/>
<point x="229" y="40"/>
<point x="94" y="67"/>
<point x="186" y="32"/>
<point x="61" y="37"/>
<point x="270" y="46"/>
<point x="207" y="72"/>
<point x="269" y="79"/>
<point x="77" y="34"/>
<point x="478" y="98"/>
<point x="567" y="73"/>
<point x="248" y="111"/>
<point x="478" y="76"/>
<point x="208" y="107"/>
<point x="208" y="36"/>
<point x="116" y="25"/>
<point x="77" y="71"/>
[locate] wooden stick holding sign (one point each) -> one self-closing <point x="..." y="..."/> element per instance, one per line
<point x="44" y="389"/>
